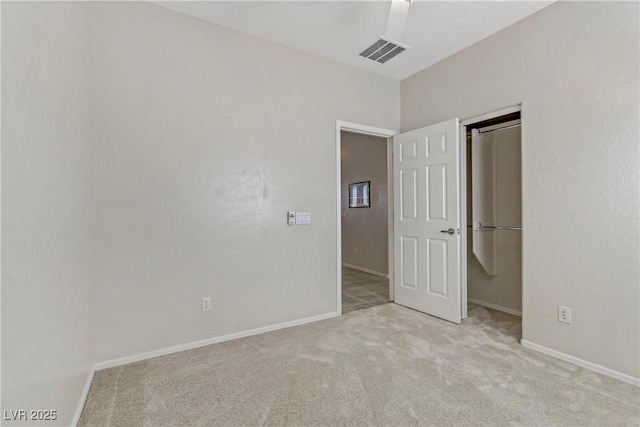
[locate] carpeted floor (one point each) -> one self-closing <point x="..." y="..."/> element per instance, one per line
<point x="385" y="366"/>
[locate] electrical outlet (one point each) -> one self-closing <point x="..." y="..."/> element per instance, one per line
<point x="206" y="304"/>
<point x="564" y="314"/>
<point x="355" y="250"/>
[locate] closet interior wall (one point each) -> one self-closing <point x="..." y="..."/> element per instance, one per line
<point x="503" y="290"/>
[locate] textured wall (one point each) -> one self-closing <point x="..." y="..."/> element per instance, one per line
<point x="205" y="138"/>
<point x="47" y="341"/>
<point x="574" y="67"/>
<point x="364" y="158"/>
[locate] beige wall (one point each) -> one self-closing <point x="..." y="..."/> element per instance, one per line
<point x="364" y="158"/>
<point x="204" y="139"/>
<point x="505" y="288"/>
<point x="574" y="66"/>
<point x="47" y="341"/>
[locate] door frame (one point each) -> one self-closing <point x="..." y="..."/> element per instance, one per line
<point x="371" y="131"/>
<point x="463" y="195"/>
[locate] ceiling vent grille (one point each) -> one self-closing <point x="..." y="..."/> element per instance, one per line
<point x="382" y="50"/>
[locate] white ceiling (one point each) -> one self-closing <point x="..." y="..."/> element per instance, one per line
<point x="339" y="30"/>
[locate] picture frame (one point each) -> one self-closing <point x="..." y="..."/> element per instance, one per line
<point x="360" y="194"/>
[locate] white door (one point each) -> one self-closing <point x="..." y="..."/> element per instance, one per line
<point x="427" y="220"/>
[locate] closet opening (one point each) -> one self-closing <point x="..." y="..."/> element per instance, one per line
<point x="494" y="217"/>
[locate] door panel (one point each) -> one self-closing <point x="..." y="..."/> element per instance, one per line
<point x="437" y="144"/>
<point x="409" y="257"/>
<point x="409" y="194"/>
<point x="409" y="150"/>
<point x="437" y="256"/>
<point x="437" y="194"/>
<point x="427" y="201"/>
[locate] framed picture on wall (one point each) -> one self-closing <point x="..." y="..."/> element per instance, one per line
<point x="359" y="195"/>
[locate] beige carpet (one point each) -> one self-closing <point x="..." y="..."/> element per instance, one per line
<point x="384" y="366"/>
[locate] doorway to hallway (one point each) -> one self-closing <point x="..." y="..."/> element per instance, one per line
<point x="364" y="195"/>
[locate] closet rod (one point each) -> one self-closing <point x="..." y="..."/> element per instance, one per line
<point x="493" y="130"/>
<point x="497" y="227"/>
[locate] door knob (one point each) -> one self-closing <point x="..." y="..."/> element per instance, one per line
<point x="450" y="231"/>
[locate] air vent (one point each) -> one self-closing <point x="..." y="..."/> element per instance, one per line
<point x="382" y="50"/>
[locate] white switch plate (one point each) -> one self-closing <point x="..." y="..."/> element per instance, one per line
<point x="303" y="218"/>
<point x="206" y="304"/>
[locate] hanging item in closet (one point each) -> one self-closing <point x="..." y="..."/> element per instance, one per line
<point x="483" y="200"/>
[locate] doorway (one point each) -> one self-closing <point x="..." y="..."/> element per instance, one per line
<point x="430" y="204"/>
<point x="364" y="204"/>
<point x="493" y="210"/>
<point x="365" y="257"/>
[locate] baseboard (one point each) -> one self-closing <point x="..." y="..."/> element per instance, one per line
<point x="495" y="307"/>
<point x="195" y="344"/>
<point x="83" y="397"/>
<point x="582" y="363"/>
<point x="183" y="347"/>
<point x="366" y="270"/>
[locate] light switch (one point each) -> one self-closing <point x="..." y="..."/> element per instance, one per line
<point x="303" y="218"/>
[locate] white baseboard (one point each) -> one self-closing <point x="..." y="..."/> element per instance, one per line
<point x="366" y="270"/>
<point x="195" y="344"/>
<point x="495" y="307"/>
<point x="582" y="363"/>
<point x="83" y="397"/>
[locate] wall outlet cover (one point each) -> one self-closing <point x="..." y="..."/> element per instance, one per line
<point x="206" y="304"/>
<point x="564" y="314"/>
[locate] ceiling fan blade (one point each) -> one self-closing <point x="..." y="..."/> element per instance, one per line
<point x="397" y="18"/>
